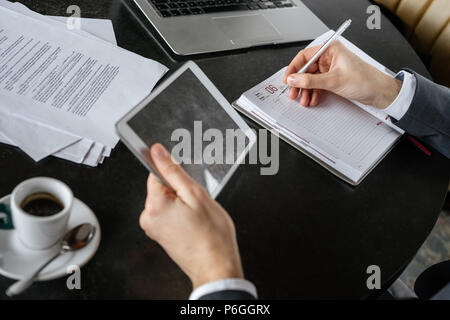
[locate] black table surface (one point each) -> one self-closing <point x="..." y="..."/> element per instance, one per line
<point x="303" y="233"/>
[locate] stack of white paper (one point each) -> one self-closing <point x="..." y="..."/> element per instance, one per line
<point x="62" y="90"/>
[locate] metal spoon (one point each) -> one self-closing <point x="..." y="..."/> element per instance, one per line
<point x="75" y="239"/>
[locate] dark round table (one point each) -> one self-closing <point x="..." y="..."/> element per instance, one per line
<point x="303" y="233"/>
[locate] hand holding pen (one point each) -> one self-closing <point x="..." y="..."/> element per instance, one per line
<point x="335" y="68"/>
<point x="322" y="49"/>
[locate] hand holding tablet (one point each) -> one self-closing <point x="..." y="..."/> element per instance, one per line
<point x="192" y="119"/>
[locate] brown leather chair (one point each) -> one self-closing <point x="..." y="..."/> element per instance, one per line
<point x="426" y="24"/>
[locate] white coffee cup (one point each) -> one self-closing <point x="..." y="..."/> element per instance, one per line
<point x="37" y="232"/>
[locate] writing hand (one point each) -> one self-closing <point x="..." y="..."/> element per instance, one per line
<point x="342" y="72"/>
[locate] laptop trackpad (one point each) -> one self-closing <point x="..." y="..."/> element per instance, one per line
<point x="244" y="29"/>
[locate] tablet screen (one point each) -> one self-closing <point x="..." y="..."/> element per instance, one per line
<point x="179" y="117"/>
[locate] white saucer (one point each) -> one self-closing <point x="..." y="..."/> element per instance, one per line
<point x="17" y="261"/>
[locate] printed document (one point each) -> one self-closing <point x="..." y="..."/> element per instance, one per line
<point x="64" y="82"/>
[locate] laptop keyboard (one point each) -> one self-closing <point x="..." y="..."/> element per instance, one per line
<point x="174" y="8"/>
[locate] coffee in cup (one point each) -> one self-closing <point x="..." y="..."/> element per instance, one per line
<point x="40" y="209"/>
<point x="42" y="204"/>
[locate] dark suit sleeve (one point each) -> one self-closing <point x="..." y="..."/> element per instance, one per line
<point x="228" y="295"/>
<point x="428" y="117"/>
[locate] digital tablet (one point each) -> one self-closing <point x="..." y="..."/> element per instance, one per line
<point x="192" y="119"/>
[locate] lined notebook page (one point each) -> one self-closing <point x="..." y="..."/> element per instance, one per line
<point x="343" y="135"/>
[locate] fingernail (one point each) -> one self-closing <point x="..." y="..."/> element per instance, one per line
<point x="291" y="80"/>
<point x="160" y="152"/>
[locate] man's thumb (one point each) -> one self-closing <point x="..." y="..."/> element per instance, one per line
<point x="311" y="81"/>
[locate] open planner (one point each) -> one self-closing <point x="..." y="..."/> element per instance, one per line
<point x="346" y="137"/>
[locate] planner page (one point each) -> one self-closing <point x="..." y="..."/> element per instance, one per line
<point x="336" y="131"/>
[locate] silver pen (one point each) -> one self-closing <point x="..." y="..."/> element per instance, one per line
<point x="324" y="47"/>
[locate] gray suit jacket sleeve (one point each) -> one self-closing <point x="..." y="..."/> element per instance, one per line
<point x="428" y="117"/>
<point x="228" y="295"/>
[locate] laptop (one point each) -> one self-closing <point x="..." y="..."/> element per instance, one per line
<point x="204" y="26"/>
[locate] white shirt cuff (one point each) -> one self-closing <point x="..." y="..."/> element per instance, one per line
<point x="222" y="285"/>
<point x="401" y="104"/>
